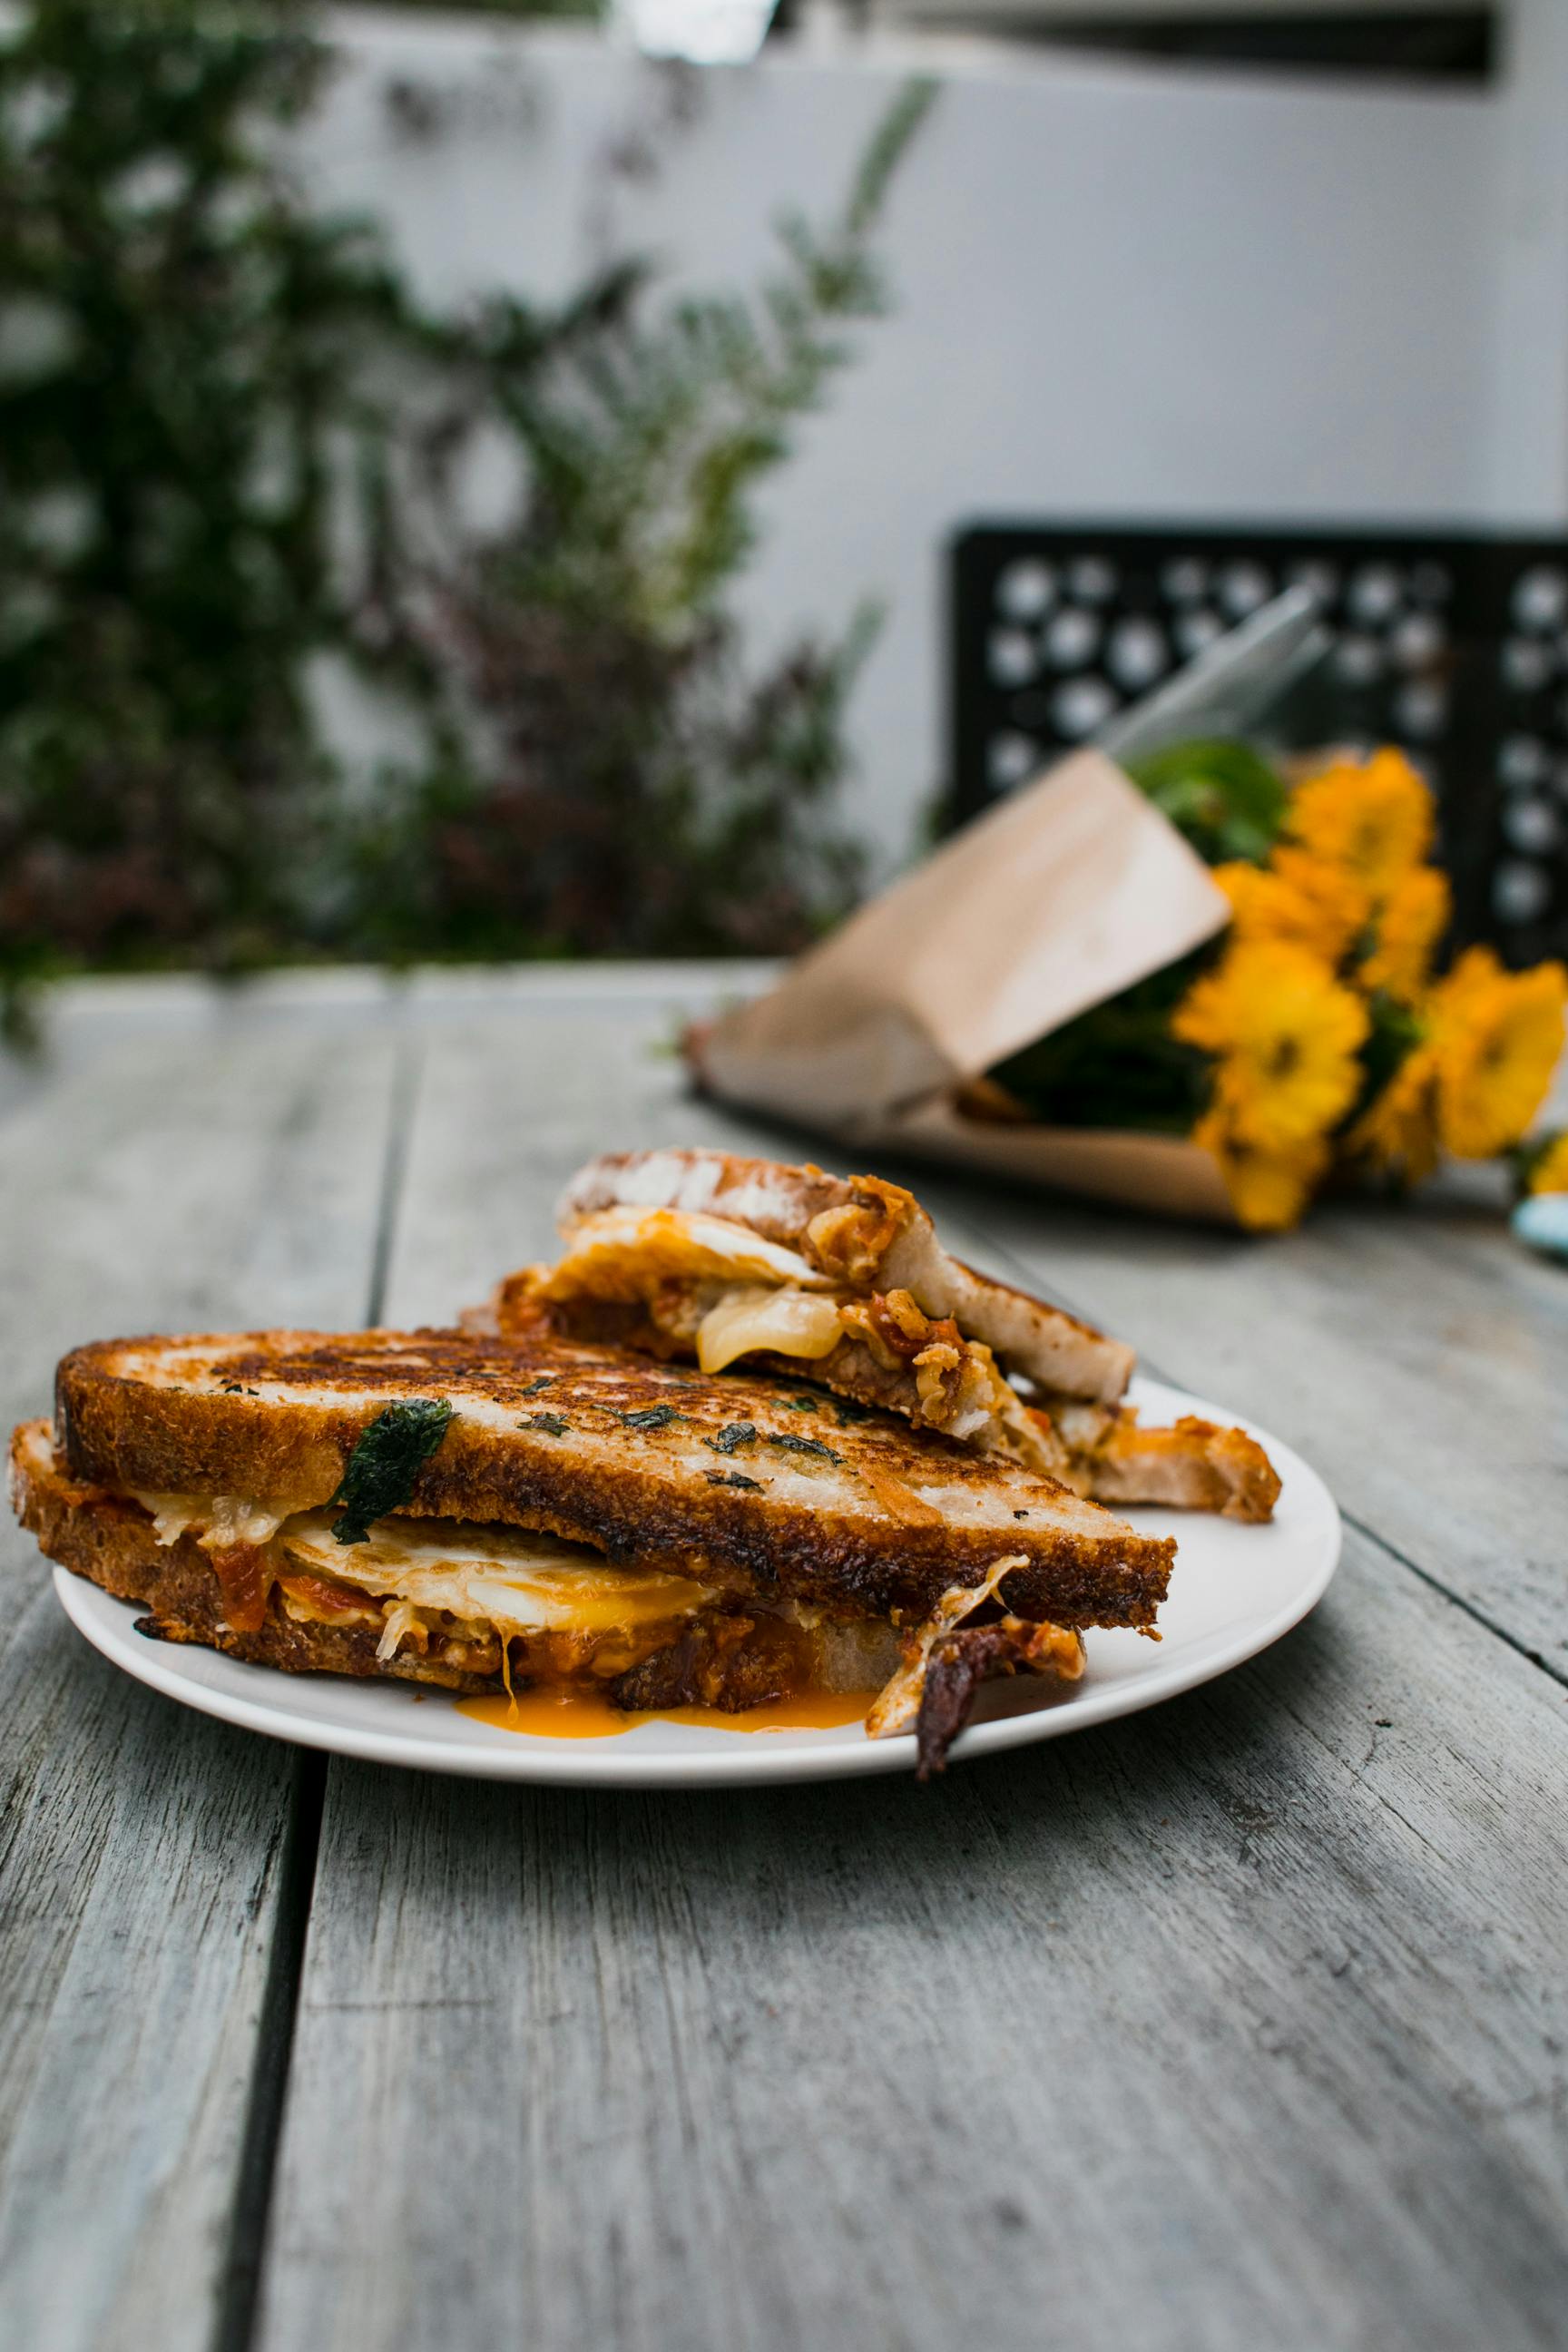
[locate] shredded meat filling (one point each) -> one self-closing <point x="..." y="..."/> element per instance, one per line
<point x="731" y="1663"/>
<point x="898" y="1330"/>
<point x="244" y="1572"/>
<point x="961" y="1661"/>
<point x="848" y="1243"/>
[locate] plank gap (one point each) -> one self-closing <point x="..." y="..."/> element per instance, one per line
<point x="1477" y="1616"/>
<point x="407" y="1064"/>
<point x="240" y="2290"/>
<point x="235" y="2321"/>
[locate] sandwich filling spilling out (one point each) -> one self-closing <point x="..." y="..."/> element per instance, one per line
<point x="704" y="1255"/>
<point x="468" y="1605"/>
<point x="678" y="1283"/>
<point x="478" y="1609"/>
<point x="755" y="1440"/>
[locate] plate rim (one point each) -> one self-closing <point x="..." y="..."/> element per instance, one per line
<point x="108" y="1625"/>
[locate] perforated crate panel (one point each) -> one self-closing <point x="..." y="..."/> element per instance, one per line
<point x="1455" y="648"/>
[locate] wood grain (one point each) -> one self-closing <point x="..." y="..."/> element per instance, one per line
<point x="506" y="1108"/>
<point x="195" y="1177"/>
<point x="1242" y="2022"/>
<point x="1418" y="1355"/>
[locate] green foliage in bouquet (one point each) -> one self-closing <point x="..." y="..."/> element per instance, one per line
<point x="1224" y="796"/>
<point x="1118" y="1065"/>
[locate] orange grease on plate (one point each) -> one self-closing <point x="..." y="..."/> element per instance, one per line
<point x="574" y="1715"/>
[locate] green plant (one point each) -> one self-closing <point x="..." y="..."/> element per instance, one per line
<point x="178" y="343"/>
<point x="198" y="374"/>
<point x="637" y="792"/>
<point x="1223" y="795"/>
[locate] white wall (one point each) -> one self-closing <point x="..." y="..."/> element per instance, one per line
<point x="1120" y="292"/>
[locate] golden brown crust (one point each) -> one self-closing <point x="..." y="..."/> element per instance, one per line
<point x="1193" y="1465"/>
<point x="543" y="1436"/>
<point x="724" y="1657"/>
<point x="869" y="1234"/>
<point x="110" y="1541"/>
<point x="895" y="1359"/>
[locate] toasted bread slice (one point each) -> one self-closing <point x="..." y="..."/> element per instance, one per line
<point x="884" y="1352"/>
<point x="865" y="1236"/>
<point x="1193" y="1465"/>
<point x="466" y="1609"/>
<point x="843" y="1283"/>
<point x="763" y="1485"/>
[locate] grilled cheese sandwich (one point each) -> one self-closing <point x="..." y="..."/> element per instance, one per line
<point x="553" y="1514"/>
<point x="725" y="1260"/>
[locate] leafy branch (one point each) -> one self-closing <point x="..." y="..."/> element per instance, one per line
<point x="203" y="381"/>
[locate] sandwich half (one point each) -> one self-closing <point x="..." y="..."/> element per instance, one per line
<point x="843" y="1280"/>
<point x="487" y="1514"/>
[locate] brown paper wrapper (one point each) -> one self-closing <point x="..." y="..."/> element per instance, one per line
<point x="1065" y="895"/>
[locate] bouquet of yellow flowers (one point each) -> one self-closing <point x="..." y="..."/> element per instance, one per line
<point x="1314" y="1037"/>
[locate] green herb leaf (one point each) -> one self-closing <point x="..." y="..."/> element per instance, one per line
<point x="655" y="1416"/>
<point x="802" y="1404"/>
<point x="732" y="1478"/>
<point x="382" y="1470"/>
<point x="735" y="1433"/>
<point x="534" y="1387"/>
<point x="553" y="1425"/>
<point x="805" y="1445"/>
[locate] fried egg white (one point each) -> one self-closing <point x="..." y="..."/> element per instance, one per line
<point x="522" y="1582"/>
<point x="618" y="1252"/>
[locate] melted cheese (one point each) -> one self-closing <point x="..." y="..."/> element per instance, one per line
<point x="620" y="1253"/>
<point x="224" y="1519"/>
<point x="524" y="1584"/>
<point x="401" y="1619"/>
<point x="170" y="1514"/>
<point x="789" y="1322"/>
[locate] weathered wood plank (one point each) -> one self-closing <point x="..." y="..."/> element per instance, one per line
<point x="1241" y="2022"/>
<point x="190" y="1182"/>
<point x="508" y="1108"/>
<point x="1417" y="1354"/>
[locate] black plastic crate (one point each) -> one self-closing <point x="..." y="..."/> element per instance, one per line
<point x="1454" y="647"/>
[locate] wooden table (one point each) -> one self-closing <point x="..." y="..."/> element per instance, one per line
<point x="1240" y="2024"/>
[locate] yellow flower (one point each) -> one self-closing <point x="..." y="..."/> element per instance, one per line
<point x="1412" y="921"/>
<point x="1284" y="1033"/>
<point x="1269" y="1190"/>
<point x="1296" y="896"/>
<point x="1550" y="1173"/>
<point x="1398" y="1131"/>
<point x="1470" y="982"/>
<point x="1375" y="820"/>
<point x="1497" y="1036"/>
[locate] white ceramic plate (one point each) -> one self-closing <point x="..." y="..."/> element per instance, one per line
<point x="1235" y="1589"/>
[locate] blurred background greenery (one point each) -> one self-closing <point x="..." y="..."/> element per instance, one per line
<point x="231" y="446"/>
